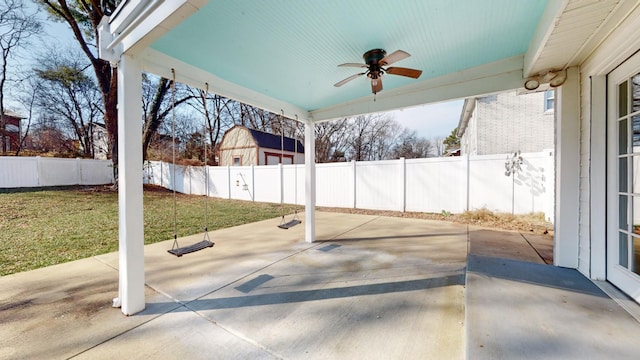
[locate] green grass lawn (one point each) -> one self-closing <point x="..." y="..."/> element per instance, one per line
<point x="42" y="227"/>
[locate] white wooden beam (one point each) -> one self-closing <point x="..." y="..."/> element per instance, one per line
<point x="160" y="64"/>
<point x="485" y="79"/>
<point x="546" y="25"/>
<point x="567" y="112"/>
<point x="130" y="210"/>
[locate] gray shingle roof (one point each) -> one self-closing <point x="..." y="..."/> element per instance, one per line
<point x="272" y="141"/>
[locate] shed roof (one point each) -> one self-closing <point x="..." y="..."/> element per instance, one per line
<point x="276" y="142"/>
<point x="270" y="141"/>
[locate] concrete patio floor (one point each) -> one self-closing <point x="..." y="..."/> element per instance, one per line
<point x="372" y="287"/>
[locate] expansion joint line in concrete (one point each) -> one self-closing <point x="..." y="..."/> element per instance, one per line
<point x="533" y="247"/>
<point x="350" y="230"/>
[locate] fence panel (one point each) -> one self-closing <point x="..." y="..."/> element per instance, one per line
<point x="266" y="183"/>
<point x="42" y="171"/>
<point x="334" y="185"/>
<point x="436" y="184"/>
<point x="197" y="177"/>
<point x="488" y="186"/>
<point x="242" y="183"/>
<point x="293" y="183"/>
<point x="379" y="185"/>
<point x="525" y="192"/>
<point x="58" y="172"/>
<point x="427" y="185"/>
<point x="219" y="182"/>
<point x="18" y="172"/>
<point x="95" y="172"/>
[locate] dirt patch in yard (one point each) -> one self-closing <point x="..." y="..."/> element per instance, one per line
<point x="532" y="223"/>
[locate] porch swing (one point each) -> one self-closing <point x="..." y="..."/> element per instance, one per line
<point x="294" y="220"/>
<point x="206" y="242"/>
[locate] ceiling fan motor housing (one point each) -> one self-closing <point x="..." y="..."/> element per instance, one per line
<point x="372" y="58"/>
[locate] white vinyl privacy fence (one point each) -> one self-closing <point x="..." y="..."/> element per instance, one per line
<point x="452" y="184"/>
<point x="18" y="172"/>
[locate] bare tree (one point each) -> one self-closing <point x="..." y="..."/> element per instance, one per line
<point x="332" y="139"/>
<point x="438" y="145"/>
<point x="366" y="134"/>
<point x="69" y="95"/>
<point x="411" y="146"/>
<point x="157" y="104"/>
<point x="83" y="17"/>
<point x="17" y="25"/>
<point x="28" y="99"/>
<point x="217" y="112"/>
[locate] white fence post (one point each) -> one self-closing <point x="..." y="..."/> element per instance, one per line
<point x="79" y="171"/>
<point x="403" y="182"/>
<point x="253" y="183"/>
<point x="467" y="162"/>
<point x="354" y="181"/>
<point x="281" y="175"/>
<point x="229" y="182"/>
<point x="39" y="168"/>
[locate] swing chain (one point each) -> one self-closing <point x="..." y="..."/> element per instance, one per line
<point x="173" y="165"/>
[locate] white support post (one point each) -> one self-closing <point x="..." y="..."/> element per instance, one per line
<point x="310" y="180"/>
<point x="567" y="175"/>
<point x="130" y="211"/>
<point x="597" y="182"/>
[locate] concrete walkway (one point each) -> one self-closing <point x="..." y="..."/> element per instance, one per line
<point x="372" y="287"/>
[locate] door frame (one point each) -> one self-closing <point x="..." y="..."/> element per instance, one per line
<point x="618" y="275"/>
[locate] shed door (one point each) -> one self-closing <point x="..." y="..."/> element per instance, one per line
<point x="623" y="177"/>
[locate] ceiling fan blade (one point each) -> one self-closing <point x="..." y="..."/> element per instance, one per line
<point x="353" y="65"/>
<point x="393" y="57"/>
<point x="412" y="73"/>
<point x="342" y="82"/>
<point x="376" y="85"/>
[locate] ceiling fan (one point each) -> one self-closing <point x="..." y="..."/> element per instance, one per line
<point x="376" y="62"/>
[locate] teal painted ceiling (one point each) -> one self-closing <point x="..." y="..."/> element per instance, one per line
<point x="289" y="50"/>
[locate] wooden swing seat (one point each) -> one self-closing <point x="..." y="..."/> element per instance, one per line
<point x="289" y="224"/>
<point x="191" y="248"/>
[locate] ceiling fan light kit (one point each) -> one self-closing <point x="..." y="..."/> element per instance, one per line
<point x="376" y="62"/>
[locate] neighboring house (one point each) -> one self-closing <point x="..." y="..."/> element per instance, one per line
<point x="100" y="141"/>
<point x="507" y="122"/>
<point x="10" y="139"/>
<point x="242" y="146"/>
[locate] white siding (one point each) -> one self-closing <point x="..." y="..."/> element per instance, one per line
<point x="617" y="46"/>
